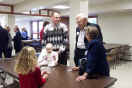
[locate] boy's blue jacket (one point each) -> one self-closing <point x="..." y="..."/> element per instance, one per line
<point x="96" y="59"/>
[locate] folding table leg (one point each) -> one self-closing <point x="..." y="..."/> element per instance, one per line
<point x="3" y="76"/>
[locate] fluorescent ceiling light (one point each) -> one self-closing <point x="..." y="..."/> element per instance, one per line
<point x="41" y="7"/>
<point x="25" y="12"/>
<point x="61" y="7"/>
<point x="36" y="9"/>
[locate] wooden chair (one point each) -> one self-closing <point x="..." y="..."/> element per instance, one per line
<point x="114" y="57"/>
<point x="125" y="52"/>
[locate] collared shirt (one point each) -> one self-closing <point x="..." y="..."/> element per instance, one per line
<point x="80" y="43"/>
<point x="24" y="35"/>
<point x="51" y="27"/>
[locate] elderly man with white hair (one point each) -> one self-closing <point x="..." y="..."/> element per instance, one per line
<point x="81" y="41"/>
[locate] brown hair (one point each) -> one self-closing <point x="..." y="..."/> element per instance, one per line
<point x="53" y="13"/>
<point x="7" y="28"/>
<point x="92" y="32"/>
<point x="45" y="23"/>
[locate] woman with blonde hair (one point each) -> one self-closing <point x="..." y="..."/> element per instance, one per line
<point x="28" y="72"/>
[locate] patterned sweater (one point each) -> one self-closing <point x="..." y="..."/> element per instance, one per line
<point x="57" y="35"/>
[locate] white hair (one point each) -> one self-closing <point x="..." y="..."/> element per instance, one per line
<point x="49" y="45"/>
<point x="81" y="16"/>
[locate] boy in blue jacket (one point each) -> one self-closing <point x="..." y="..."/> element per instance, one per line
<point x="96" y="62"/>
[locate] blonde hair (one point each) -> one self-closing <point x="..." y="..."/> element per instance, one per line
<point x="26" y="61"/>
<point x="92" y="31"/>
<point x="7" y="27"/>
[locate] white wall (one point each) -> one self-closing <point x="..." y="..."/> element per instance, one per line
<point x="109" y="6"/>
<point x="116" y="27"/>
<point x="24" y="21"/>
<point x="2" y="20"/>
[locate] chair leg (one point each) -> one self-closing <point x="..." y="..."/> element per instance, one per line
<point x="15" y="84"/>
<point x="3" y="77"/>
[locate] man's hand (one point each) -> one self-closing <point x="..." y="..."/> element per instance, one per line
<point x="83" y="77"/>
<point x="75" y="68"/>
<point x="80" y="78"/>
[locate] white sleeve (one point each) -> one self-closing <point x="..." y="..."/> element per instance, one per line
<point x="64" y="27"/>
<point x="56" y="56"/>
<point x="41" y="56"/>
<point x="46" y="28"/>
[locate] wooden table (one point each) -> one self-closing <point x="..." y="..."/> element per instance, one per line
<point x="115" y="52"/>
<point x="30" y="41"/>
<point x="61" y="77"/>
<point x="109" y="47"/>
<point x="33" y="43"/>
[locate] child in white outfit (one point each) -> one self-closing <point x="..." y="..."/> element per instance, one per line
<point x="48" y="56"/>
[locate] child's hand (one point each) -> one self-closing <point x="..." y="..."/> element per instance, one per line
<point x="46" y="58"/>
<point x="45" y="76"/>
<point x="80" y="78"/>
<point x="43" y="73"/>
<point x="75" y="68"/>
<point x="54" y="57"/>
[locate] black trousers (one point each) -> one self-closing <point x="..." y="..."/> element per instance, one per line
<point x="18" y="49"/>
<point x="7" y="52"/>
<point x="63" y="58"/>
<point x="79" y="54"/>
